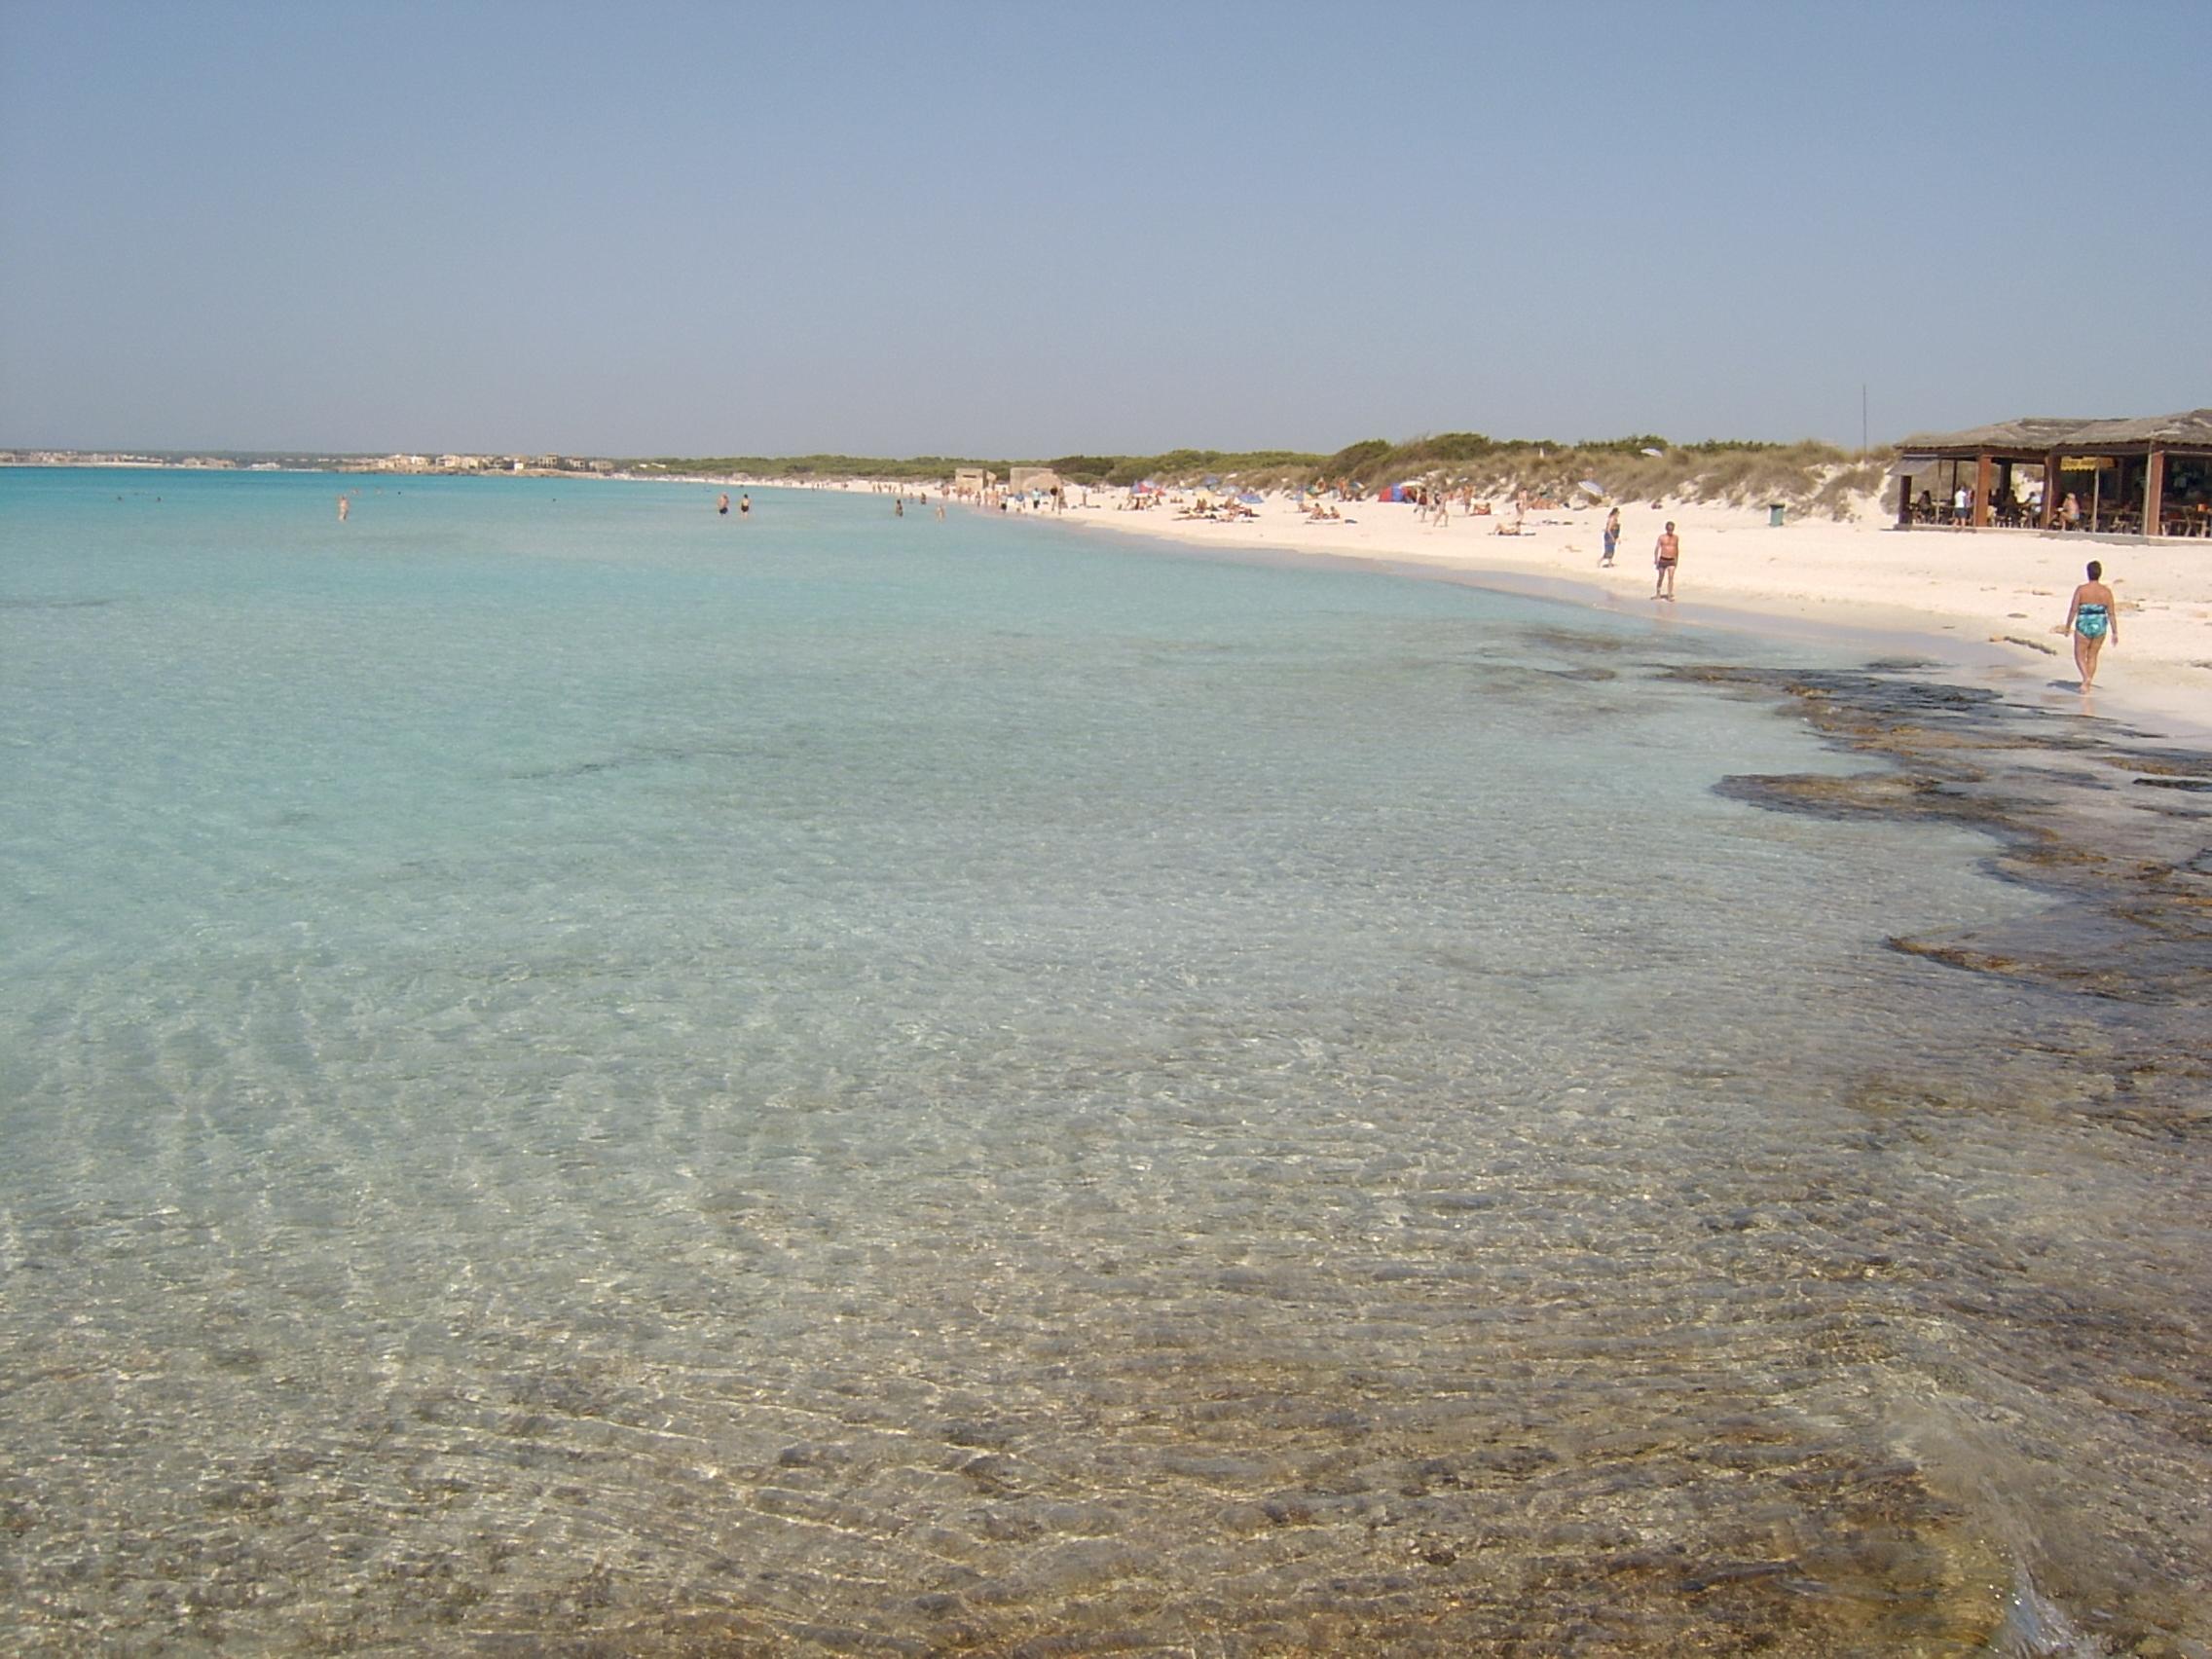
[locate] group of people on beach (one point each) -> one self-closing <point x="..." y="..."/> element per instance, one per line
<point x="1666" y="554"/>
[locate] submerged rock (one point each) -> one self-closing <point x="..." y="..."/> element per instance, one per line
<point x="2052" y="790"/>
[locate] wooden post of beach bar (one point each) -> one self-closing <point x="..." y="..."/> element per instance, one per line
<point x="2049" y="488"/>
<point x="1981" y="470"/>
<point x="2154" y="494"/>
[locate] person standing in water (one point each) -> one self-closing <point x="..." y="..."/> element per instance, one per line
<point x="723" y="506"/>
<point x="744" y="504"/>
<point x="345" y="506"/>
<point x="1666" y="554"/>
<point x="2092" y="618"/>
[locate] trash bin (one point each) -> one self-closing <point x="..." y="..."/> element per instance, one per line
<point x="1774" y="515"/>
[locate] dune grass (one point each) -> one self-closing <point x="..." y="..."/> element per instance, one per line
<point x="1808" y="477"/>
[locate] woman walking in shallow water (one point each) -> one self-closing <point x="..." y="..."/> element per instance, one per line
<point x="2092" y="618"/>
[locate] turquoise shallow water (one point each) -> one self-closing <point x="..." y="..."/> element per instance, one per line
<point x="573" y="1067"/>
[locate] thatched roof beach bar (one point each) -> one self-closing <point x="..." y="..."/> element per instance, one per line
<point x="2145" y="476"/>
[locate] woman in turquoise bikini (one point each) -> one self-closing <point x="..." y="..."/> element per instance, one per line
<point x="2092" y="618"/>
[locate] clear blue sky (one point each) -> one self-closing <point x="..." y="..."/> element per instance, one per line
<point x="1031" y="229"/>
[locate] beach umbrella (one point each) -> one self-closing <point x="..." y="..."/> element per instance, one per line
<point x="1250" y="499"/>
<point x="1591" y="487"/>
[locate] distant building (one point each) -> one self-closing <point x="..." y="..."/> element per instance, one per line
<point x="2147" y="476"/>
<point x="1040" y="480"/>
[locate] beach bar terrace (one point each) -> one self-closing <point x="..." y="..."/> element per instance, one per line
<point x="2151" y="476"/>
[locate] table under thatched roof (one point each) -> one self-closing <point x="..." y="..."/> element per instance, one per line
<point x="2158" y="467"/>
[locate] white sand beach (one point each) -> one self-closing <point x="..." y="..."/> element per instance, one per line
<point x="1988" y="603"/>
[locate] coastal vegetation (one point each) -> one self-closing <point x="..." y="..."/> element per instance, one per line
<point x="1808" y="477"/>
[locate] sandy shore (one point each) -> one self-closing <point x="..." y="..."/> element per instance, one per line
<point x="1984" y="602"/>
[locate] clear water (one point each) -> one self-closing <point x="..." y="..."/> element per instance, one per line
<point x="576" y="1069"/>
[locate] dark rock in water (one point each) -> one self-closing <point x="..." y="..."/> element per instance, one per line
<point x="2135" y="924"/>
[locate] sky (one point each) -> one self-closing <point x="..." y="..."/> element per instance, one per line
<point x="1033" y="230"/>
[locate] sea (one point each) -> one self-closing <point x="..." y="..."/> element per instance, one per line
<point x="584" y="1075"/>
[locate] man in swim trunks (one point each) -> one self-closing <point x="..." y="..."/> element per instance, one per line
<point x="1666" y="555"/>
<point x="2093" y="619"/>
